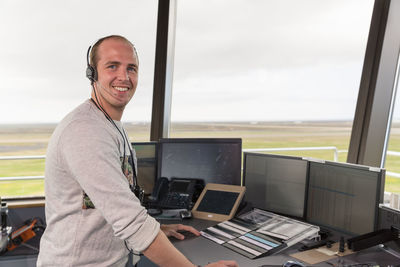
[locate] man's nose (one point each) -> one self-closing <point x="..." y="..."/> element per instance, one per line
<point x="123" y="74"/>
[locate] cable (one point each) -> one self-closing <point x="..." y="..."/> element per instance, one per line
<point x="135" y="187"/>
<point x="98" y="105"/>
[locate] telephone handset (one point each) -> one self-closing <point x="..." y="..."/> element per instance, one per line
<point x="175" y="194"/>
<point x="160" y="188"/>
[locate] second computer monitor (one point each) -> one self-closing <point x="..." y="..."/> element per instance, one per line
<point x="276" y="183"/>
<point x="215" y="160"/>
<point x="344" y="196"/>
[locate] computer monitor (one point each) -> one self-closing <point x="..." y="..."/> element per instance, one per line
<point x="146" y="154"/>
<point x="345" y="196"/>
<point x="215" y="160"/>
<point x="276" y="183"/>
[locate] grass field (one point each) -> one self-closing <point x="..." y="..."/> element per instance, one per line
<point x="32" y="140"/>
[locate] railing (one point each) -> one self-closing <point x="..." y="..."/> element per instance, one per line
<point x="21" y="177"/>
<point x="333" y="148"/>
<point x="335" y="153"/>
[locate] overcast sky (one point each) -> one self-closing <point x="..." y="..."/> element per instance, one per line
<point x="252" y="60"/>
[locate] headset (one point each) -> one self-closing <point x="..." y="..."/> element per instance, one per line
<point x="91" y="74"/>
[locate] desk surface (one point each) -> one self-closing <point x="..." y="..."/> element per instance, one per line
<point x="201" y="251"/>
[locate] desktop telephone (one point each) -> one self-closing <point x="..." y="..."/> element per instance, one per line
<point x="179" y="193"/>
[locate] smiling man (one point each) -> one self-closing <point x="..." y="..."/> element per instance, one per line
<point x="93" y="216"/>
<point x="117" y="75"/>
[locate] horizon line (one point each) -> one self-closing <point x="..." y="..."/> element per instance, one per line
<point x="205" y="121"/>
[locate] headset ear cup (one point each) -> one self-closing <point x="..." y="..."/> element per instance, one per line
<point x="94" y="74"/>
<point x="91" y="73"/>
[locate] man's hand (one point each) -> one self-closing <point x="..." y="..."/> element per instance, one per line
<point x="172" y="230"/>
<point x="223" y="264"/>
<point x="163" y="253"/>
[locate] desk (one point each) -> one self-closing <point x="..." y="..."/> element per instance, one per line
<point x="201" y="251"/>
<point x="18" y="261"/>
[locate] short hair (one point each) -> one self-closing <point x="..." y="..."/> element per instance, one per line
<point x="94" y="58"/>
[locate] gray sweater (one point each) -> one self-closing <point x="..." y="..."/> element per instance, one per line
<point x="90" y="209"/>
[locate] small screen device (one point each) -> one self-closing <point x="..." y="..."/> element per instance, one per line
<point x="218" y="202"/>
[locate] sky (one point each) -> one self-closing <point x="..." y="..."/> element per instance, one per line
<point x="235" y="60"/>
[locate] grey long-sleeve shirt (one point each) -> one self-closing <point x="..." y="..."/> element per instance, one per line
<point x="90" y="209"/>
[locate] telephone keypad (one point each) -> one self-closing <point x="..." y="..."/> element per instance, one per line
<point x="175" y="200"/>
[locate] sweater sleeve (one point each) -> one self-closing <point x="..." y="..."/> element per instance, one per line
<point x="91" y="154"/>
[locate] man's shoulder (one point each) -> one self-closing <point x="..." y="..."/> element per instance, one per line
<point x="84" y="113"/>
<point x="82" y="119"/>
<point x="83" y="110"/>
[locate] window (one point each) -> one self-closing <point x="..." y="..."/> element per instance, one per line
<point x="43" y="62"/>
<point x="392" y="161"/>
<point x="278" y="74"/>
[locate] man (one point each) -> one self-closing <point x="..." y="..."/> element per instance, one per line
<point x="93" y="218"/>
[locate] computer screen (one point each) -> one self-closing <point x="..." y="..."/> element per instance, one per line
<point x="344" y="196"/>
<point x="276" y="183"/>
<point x="215" y="160"/>
<point x="146" y="154"/>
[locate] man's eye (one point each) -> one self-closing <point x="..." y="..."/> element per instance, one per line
<point x="111" y="67"/>
<point x="131" y="69"/>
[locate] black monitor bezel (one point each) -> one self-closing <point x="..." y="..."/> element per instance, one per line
<point x="245" y="154"/>
<point x="380" y="188"/>
<point x="197" y="140"/>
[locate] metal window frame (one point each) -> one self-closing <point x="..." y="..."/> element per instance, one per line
<point x="372" y="119"/>
<point x="163" y="70"/>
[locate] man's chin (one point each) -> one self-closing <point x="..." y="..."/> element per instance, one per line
<point x="120" y="104"/>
